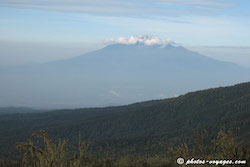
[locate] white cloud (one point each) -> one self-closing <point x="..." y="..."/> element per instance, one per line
<point x="143" y="39"/>
<point x="114" y="93"/>
<point x="162" y="96"/>
<point x="134" y="8"/>
<point x="176" y="95"/>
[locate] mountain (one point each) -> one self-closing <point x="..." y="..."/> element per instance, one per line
<point x="141" y="128"/>
<point x="114" y="75"/>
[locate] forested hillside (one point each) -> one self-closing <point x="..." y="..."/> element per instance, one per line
<point x="147" y="128"/>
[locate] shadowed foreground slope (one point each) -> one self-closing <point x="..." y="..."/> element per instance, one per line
<point x="146" y="128"/>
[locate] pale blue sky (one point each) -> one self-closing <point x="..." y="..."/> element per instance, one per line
<point x="71" y="27"/>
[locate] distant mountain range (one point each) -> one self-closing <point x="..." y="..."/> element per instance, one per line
<point x="146" y="128"/>
<point x="117" y="74"/>
<point x="12" y="110"/>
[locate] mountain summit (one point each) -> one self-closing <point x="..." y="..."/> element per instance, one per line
<point x="129" y="70"/>
<point x="143" y="39"/>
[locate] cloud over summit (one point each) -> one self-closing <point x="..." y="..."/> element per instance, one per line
<point x="143" y="39"/>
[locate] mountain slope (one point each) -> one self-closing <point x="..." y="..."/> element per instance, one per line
<point x="117" y="74"/>
<point x="142" y="128"/>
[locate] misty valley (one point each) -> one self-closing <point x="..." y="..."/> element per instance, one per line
<point x="154" y="133"/>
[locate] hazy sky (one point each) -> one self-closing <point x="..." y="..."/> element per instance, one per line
<point x="45" y="30"/>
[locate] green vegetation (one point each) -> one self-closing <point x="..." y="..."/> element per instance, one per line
<point x="49" y="154"/>
<point x="142" y="133"/>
